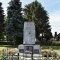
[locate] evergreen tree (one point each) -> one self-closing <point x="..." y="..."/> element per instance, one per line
<point x="35" y="12"/>
<point x="1" y="22"/>
<point x="14" y="23"/>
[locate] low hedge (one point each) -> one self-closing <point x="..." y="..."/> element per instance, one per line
<point x="6" y="43"/>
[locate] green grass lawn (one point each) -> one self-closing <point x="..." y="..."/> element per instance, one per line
<point x="5" y="47"/>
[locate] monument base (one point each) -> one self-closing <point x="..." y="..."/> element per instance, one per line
<point x="28" y="50"/>
<point x="35" y="49"/>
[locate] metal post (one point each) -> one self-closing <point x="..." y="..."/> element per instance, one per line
<point x="12" y="57"/>
<point x="32" y="53"/>
<point x="18" y="56"/>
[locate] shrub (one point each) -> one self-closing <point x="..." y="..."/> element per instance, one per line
<point x="5" y="43"/>
<point x="55" y="43"/>
<point x="48" y="54"/>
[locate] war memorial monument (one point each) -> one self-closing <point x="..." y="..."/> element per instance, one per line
<point x="29" y="48"/>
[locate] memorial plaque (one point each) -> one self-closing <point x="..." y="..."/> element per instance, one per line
<point x="29" y="33"/>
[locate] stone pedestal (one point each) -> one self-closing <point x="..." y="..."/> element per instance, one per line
<point x="35" y="49"/>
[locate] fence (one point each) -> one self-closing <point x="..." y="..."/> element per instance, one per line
<point x="13" y="54"/>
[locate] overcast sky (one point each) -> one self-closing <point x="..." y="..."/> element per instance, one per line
<point x="51" y="6"/>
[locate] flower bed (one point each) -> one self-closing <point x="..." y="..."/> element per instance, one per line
<point x="48" y="54"/>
